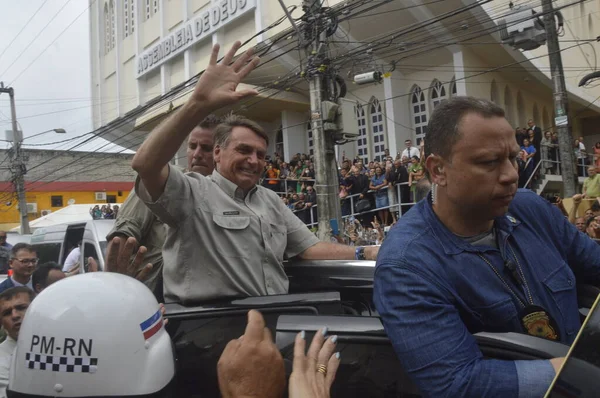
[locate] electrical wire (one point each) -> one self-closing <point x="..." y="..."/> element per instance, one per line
<point x="23" y="28"/>
<point x="35" y="38"/>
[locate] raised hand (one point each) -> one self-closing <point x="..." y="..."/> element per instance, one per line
<point x="252" y="366"/>
<point x="118" y="259"/>
<point x="217" y="86"/>
<point x="313" y="373"/>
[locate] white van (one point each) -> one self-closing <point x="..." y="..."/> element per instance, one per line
<point x="54" y="243"/>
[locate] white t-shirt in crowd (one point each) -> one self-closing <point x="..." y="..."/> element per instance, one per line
<point x="7" y="348"/>
<point x="414" y="151"/>
<point x="72" y="259"/>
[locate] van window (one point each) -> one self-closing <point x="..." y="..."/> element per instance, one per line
<point x="89" y="251"/>
<point x="47" y="252"/>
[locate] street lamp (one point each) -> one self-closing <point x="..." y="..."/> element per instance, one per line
<point x="58" y="131"/>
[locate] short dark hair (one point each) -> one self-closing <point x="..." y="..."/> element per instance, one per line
<point x="11" y="293"/>
<point x="443" y="128"/>
<point x="589" y="221"/>
<point x="21" y="246"/>
<point x="223" y="130"/>
<point x="40" y="275"/>
<point x="595" y="206"/>
<point x="210" y="122"/>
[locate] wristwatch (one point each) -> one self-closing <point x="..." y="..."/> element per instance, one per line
<point x="359" y="254"/>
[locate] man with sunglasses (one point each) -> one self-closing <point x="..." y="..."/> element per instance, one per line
<point x="23" y="260"/>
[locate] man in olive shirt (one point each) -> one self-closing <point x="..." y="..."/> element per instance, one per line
<point x="591" y="185"/>
<point x="226" y="236"/>
<point x="136" y="220"/>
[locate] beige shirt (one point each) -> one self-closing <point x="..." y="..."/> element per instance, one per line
<point x="136" y="220"/>
<point x="222" y="244"/>
<point x="7" y="348"/>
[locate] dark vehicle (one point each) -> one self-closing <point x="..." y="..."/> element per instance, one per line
<point x="336" y="294"/>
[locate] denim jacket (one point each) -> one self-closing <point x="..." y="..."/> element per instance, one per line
<point x="433" y="292"/>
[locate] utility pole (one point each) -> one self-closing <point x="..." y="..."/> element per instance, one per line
<point x="561" y="103"/>
<point x="326" y="173"/>
<point x="18" y="165"/>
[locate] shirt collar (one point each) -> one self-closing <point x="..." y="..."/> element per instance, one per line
<point x="28" y="284"/>
<point x="453" y="244"/>
<point x="232" y="190"/>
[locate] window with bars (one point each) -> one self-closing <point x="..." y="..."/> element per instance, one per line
<point x="126" y="18"/>
<point x="113" y="28"/>
<point x="419" y="113"/>
<point x="132" y="16"/>
<point x="377" y="129"/>
<point x="106" y="29"/>
<point x="311" y="142"/>
<point x="438" y="93"/>
<point x="361" y="144"/>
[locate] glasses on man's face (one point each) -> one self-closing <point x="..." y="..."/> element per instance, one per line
<point x="27" y="261"/>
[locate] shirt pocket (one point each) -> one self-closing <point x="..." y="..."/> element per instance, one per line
<point x="497" y="317"/>
<point x="231" y="235"/>
<point x="562" y="286"/>
<point x="278" y="240"/>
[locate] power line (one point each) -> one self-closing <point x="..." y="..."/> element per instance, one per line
<point x="53" y="41"/>
<point x="35" y="38"/>
<point x="22" y="29"/>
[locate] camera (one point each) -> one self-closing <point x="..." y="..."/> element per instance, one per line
<point x="366" y="78"/>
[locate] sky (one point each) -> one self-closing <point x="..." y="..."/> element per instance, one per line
<point x="45" y="57"/>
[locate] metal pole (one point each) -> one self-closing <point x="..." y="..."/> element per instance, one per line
<point x="561" y="104"/>
<point x="19" y="166"/>
<point x="324" y="147"/>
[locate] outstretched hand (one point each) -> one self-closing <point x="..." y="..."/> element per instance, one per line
<point x="217" y="86"/>
<point x="252" y="366"/>
<point x="118" y="259"/>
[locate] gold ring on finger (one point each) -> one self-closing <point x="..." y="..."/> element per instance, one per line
<point x="322" y="369"/>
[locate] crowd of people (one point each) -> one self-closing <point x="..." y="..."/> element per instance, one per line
<point x="368" y="189"/>
<point x="106" y="212"/>
<point x="543" y="147"/>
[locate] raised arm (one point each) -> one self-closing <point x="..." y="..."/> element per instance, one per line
<point x="215" y="89"/>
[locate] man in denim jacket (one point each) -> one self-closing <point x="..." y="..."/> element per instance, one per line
<point x="479" y="255"/>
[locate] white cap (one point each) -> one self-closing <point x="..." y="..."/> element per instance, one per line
<point x="97" y="334"/>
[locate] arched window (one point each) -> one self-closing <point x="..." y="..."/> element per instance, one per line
<point x="453" y="88"/>
<point x="126" y="18"/>
<point x="438" y="93"/>
<point x="494" y="93"/>
<point x="520" y="110"/>
<point x="311" y="142"/>
<point x="377" y="129"/>
<point x="419" y="113"/>
<point x="545" y="120"/>
<point x="361" y="144"/>
<point x="106" y="29"/>
<point x="113" y="27"/>
<point x="508" y="106"/>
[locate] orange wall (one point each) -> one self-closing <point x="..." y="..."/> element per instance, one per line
<point x="10" y="214"/>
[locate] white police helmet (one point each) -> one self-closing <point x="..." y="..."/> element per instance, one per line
<point x="97" y="334"/>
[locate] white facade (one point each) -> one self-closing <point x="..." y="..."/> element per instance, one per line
<point x="142" y="49"/>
